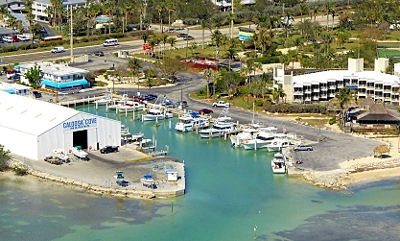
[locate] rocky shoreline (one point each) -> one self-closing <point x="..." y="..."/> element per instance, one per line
<point x="341" y="179"/>
<point x="99" y="190"/>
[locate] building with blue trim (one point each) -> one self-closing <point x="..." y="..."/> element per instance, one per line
<point x="59" y="77"/>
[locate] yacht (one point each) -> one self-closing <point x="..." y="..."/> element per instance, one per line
<point x="240" y="138"/>
<point x="278" y="164"/>
<point x="278" y="145"/>
<point x="155" y="114"/>
<point x="217" y="130"/>
<point x="261" y="140"/>
<point x="188" y="123"/>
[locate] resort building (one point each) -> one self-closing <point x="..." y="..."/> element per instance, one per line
<point x="59" y="77"/>
<point x="40" y="7"/>
<point x="322" y="86"/>
<point x="225" y="5"/>
<point x="33" y="129"/>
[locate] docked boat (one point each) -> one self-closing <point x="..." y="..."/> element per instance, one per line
<point x="278" y="164"/>
<point x="217" y="130"/>
<point x="106" y="100"/>
<point x="278" y="145"/>
<point x="262" y="140"/>
<point x="246" y="134"/>
<point x="188" y="123"/>
<point x="156" y="114"/>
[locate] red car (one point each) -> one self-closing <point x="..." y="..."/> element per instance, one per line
<point x="205" y="111"/>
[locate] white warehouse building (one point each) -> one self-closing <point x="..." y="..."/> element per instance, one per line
<point x="33" y="129"/>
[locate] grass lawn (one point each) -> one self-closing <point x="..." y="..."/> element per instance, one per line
<point x="395" y="54"/>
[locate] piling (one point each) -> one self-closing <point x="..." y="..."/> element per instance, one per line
<point x="170" y="124"/>
<point x="126" y="112"/>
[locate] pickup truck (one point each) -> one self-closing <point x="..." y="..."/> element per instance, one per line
<point x="221" y="104"/>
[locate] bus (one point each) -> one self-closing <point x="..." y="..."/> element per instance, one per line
<point x="110" y="42"/>
<point x="246" y="33"/>
<point x="51" y="39"/>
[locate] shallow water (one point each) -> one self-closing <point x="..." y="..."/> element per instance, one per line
<point x="229" y="192"/>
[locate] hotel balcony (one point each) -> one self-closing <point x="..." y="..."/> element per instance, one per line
<point x="323" y="97"/>
<point x="332" y="87"/>
<point x="331" y="95"/>
<point x="307" y="91"/>
<point x="298" y="93"/>
<point x="315" y="98"/>
<point x="315" y="90"/>
<point x="340" y="86"/>
<point x="308" y="99"/>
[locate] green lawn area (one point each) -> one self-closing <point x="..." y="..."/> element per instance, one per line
<point x="387" y="54"/>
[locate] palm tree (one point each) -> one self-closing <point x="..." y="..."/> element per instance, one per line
<point x="203" y="26"/>
<point x="108" y="9"/>
<point x="303" y="10"/>
<point x="328" y="9"/>
<point x="135" y="64"/>
<point x="171" y="41"/>
<point x="344" y="96"/>
<point x="315" y="11"/>
<point x="29" y="14"/>
<point x="160" y="8"/>
<point x="277" y="94"/>
<point x="164" y="40"/>
<point x="170" y="7"/>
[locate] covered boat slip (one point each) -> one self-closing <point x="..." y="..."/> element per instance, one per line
<point x="34" y="129"/>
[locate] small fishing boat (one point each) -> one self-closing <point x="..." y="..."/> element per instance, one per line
<point x="261" y="141"/>
<point x="104" y="101"/>
<point x="278" y="164"/>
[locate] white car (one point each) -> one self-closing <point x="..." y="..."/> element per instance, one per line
<point x="23" y="37"/>
<point x="8" y="39"/>
<point x="221" y="103"/>
<point x="58" y="50"/>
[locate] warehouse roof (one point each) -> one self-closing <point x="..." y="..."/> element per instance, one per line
<point x="30" y="115"/>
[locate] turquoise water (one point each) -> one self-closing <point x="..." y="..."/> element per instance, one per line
<point x="229" y="192"/>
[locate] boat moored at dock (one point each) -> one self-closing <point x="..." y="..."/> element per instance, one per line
<point x="278" y="164"/>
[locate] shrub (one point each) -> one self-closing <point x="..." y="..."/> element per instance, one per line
<point x="297" y="108"/>
<point x="332" y="121"/>
<point x="4" y="158"/>
<point x="259" y="103"/>
<point x="20" y="170"/>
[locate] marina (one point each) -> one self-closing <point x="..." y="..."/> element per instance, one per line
<point x="216" y="200"/>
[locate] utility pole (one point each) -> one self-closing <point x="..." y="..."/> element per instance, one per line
<point x="72" y="38"/>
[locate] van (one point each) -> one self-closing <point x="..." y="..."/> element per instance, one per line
<point x="110" y="42"/>
<point x="58" y="50"/>
<point x="7" y="39"/>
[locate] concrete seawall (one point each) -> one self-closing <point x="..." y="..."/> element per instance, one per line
<point x="106" y="191"/>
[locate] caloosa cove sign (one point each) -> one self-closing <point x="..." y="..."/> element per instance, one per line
<point x="79" y="124"/>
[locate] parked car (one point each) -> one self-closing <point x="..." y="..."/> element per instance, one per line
<point x="10" y="73"/>
<point x="98" y="53"/>
<point x="24" y="37"/>
<point x="37" y="94"/>
<point x="148" y="97"/>
<point x="108" y="149"/>
<point x="182" y="104"/>
<point x="221" y="103"/>
<point x="205" y="111"/>
<point x="15" y="39"/>
<point x="8" y="39"/>
<point x="15" y="76"/>
<point x="303" y="148"/>
<point x="167" y="103"/>
<point x="58" y="50"/>
<point x="188" y="37"/>
<point x="182" y="35"/>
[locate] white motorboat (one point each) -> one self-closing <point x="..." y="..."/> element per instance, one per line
<point x="135" y="105"/>
<point x="217" y="130"/>
<point x="278" y="164"/>
<point x="106" y="100"/>
<point x="278" y="145"/>
<point x="187" y="123"/>
<point x="262" y="140"/>
<point x="156" y="114"/>
<point x="240" y="138"/>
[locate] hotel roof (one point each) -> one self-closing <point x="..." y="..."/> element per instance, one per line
<point x="333" y="75"/>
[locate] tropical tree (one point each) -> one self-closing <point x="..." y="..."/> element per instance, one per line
<point x="134" y="66"/>
<point x="4" y="158"/>
<point x="170" y="7"/>
<point x="33" y="75"/>
<point x="303" y="10"/>
<point x="29" y="15"/>
<point x="160" y="8"/>
<point x="171" y="41"/>
<point x="277" y="94"/>
<point x="328" y="9"/>
<point x="344" y="96"/>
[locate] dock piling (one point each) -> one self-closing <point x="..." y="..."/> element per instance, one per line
<point x="169" y="124"/>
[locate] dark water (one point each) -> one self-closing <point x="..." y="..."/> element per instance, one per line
<point x="229" y="192"/>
